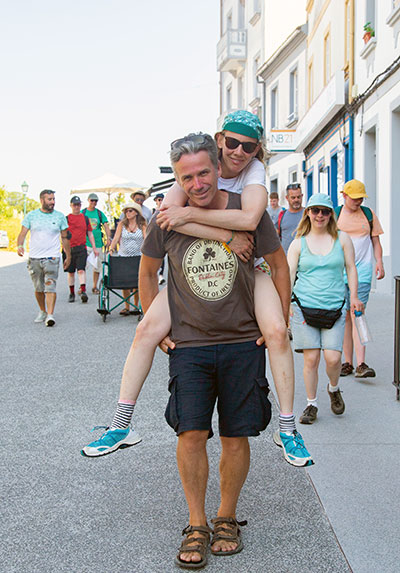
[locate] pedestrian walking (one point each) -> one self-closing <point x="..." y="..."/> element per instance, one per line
<point x="317" y="259"/>
<point x="364" y="228"/>
<point x="129" y="235"/>
<point x="274" y="209"/>
<point x="46" y="226"/>
<point x="80" y="230"/>
<point x="240" y="154"/>
<point x="158" y="199"/>
<point x="289" y="218"/>
<point x="211" y="299"/>
<point x="139" y="198"/>
<point x="98" y="222"/>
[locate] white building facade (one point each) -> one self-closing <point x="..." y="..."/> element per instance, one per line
<point x="377" y="121"/>
<point x="327" y="94"/>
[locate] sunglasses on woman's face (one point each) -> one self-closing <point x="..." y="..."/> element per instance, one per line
<point x="316" y="210"/>
<point x="247" y="146"/>
<point x="129" y="210"/>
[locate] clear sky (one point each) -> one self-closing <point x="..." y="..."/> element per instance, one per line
<point x="96" y="86"/>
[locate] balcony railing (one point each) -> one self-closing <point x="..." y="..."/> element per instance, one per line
<point x="232" y="51"/>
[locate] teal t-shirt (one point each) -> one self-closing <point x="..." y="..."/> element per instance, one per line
<point x="320" y="281"/>
<point x="96" y="218"/>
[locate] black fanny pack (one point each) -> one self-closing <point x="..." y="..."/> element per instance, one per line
<point x="318" y="317"/>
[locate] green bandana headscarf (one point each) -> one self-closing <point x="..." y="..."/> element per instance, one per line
<point x="243" y="122"/>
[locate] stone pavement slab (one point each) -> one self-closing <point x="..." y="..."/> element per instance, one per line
<point x="357" y="455"/>
<point x="124" y="512"/>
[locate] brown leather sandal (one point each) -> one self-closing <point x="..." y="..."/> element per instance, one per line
<point x="200" y="546"/>
<point x="227" y="529"/>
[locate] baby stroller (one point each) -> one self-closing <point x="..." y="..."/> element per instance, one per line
<point x="118" y="273"/>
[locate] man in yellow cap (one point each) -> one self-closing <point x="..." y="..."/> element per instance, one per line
<point x="364" y="228"/>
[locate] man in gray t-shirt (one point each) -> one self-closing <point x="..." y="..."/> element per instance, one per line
<point x="289" y="219"/>
<point x="274" y="208"/>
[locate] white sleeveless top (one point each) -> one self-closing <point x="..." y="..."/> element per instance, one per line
<point x="130" y="243"/>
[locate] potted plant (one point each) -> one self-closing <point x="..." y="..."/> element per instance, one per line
<point x="369" y="32"/>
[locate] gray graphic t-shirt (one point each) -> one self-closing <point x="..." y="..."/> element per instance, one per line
<point x="289" y="224"/>
<point x="210" y="290"/>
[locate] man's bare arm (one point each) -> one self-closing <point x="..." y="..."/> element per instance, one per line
<point x="378" y="254"/>
<point x="20" y="240"/>
<point x="67" y="247"/>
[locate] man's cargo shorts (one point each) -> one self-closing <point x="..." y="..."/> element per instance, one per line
<point x="231" y="374"/>
<point x="44" y="273"/>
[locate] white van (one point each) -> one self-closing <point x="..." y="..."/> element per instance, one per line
<point x="4" y="241"/>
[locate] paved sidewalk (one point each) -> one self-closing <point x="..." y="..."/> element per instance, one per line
<point x="124" y="513"/>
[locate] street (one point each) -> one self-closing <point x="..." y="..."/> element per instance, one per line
<point x="125" y="512"/>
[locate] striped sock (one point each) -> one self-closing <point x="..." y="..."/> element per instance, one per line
<point x="123" y="415"/>
<point x="287" y="423"/>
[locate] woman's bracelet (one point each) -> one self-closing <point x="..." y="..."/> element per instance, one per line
<point x="231" y="239"/>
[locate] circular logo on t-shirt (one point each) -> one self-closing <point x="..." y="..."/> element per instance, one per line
<point x="210" y="269"/>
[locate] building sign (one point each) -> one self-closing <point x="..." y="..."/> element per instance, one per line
<point x="282" y="140"/>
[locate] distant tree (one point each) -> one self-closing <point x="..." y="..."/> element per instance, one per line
<point x="114" y="207"/>
<point x="6" y="211"/>
<point x="16" y="200"/>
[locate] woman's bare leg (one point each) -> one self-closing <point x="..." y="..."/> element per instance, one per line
<point x="269" y="315"/>
<point x="155" y="326"/>
<point x="310" y="371"/>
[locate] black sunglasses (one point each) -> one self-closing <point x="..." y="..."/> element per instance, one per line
<point x="316" y="210"/>
<point x="199" y="138"/>
<point x="247" y="146"/>
<point x="93" y="200"/>
<point x="130" y="210"/>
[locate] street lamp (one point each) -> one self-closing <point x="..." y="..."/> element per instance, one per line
<point x="24" y="187"/>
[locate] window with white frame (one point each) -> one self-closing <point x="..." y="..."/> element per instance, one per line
<point x="229" y="97"/>
<point x="274" y="107"/>
<point x="370" y="14"/>
<point x="240" y="93"/>
<point x="256" y="6"/>
<point x="293" y="95"/>
<point x="348" y="34"/>
<point x="241" y="9"/>
<point x="310" y="83"/>
<point x="229" y="25"/>
<point x="256" y="85"/>
<point x="293" y="175"/>
<point x="327" y="58"/>
<point x="273" y="183"/>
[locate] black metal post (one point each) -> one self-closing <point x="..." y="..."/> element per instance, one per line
<point x="397" y="338"/>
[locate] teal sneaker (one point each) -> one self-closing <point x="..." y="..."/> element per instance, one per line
<point x="111" y="441"/>
<point x="294" y="450"/>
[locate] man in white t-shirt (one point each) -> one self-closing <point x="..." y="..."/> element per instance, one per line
<point x="46" y="225"/>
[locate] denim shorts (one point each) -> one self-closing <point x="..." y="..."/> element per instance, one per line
<point x="306" y="337"/>
<point x="363" y="294"/>
<point x="233" y="375"/>
<point x="44" y="273"/>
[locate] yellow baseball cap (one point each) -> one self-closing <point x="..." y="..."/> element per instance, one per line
<point x="355" y="189"/>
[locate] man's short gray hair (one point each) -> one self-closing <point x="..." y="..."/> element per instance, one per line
<point x="193" y="143"/>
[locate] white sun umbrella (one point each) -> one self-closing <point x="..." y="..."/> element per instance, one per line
<point x="109" y="183"/>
